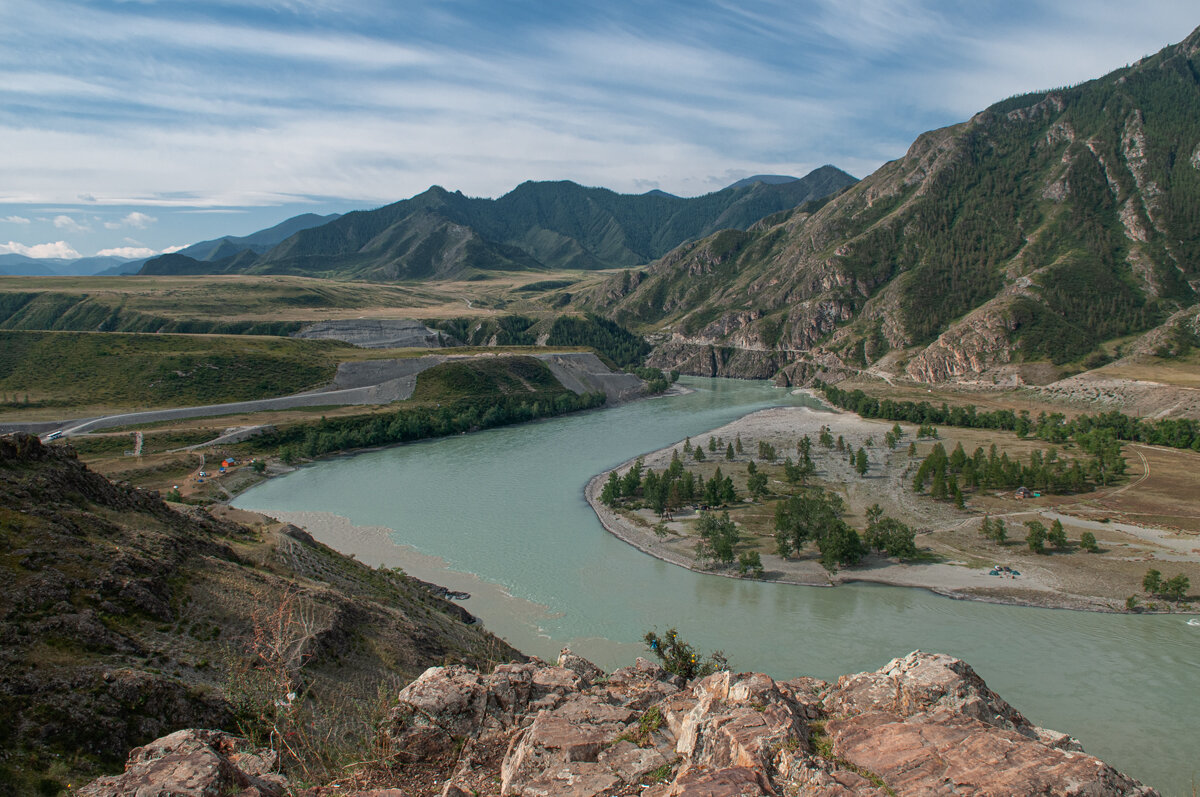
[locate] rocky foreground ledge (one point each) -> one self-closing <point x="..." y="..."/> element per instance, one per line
<point x="925" y="724"/>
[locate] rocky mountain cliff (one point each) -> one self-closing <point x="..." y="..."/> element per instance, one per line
<point x="924" y="724"/>
<point x="1037" y="230"/>
<point x="557" y="225"/>
<point x="123" y="618"/>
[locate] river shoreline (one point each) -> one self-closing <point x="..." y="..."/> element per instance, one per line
<point x="1038" y="587"/>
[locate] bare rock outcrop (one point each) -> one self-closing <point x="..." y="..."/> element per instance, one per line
<point x="193" y="763"/>
<point x="924" y="724"/>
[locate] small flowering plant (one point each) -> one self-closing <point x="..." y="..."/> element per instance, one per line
<point x="679" y="658"/>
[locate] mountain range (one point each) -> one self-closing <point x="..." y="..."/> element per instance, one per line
<point x="258" y="242"/>
<point x="14" y="264"/>
<point x="538" y="225"/>
<point x="1039" y="229"/>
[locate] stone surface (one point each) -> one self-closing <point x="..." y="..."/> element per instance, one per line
<point x="947" y="753"/>
<point x="193" y="763"/>
<point x="922" y="682"/>
<point x="924" y="724"/>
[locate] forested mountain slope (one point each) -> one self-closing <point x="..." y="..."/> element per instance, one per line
<point x="1037" y="230"/>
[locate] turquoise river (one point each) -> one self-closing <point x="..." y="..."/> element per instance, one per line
<point x="501" y="513"/>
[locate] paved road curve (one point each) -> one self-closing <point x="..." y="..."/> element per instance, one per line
<point x="369" y="382"/>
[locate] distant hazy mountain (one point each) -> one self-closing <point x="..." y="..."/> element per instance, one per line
<point x="257" y="242"/>
<point x="20" y="264"/>
<point x="54" y="266"/>
<point x="439" y="234"/>
<point x="768" y="179"/>
<point x="128" y="267"/>
<point x="1042" y="227"/>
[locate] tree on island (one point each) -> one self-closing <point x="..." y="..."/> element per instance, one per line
<point x="1152" y="581"/>
<point x="756" y="481"/>
<point x="994" y="530"/>
<point x="718" y="537"/>
<point x="632" y="481"/>
<point x="816" y="514"/>
<point x="1177" y="587"/>
<point x="612" y="490"/>
<point x="1174" y="588"/>
<point x="1036" y="538"/>
<point x="840" y="545"/>
<point x="1057" y="535"/>
<point x="750" y="563"/>
<point x="888" y="535"/>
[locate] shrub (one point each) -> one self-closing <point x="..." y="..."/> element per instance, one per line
<point x="680" y="658"/>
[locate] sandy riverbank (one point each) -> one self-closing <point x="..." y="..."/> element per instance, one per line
<point x="1038" y="584"/>
<point x="521" y="623"/>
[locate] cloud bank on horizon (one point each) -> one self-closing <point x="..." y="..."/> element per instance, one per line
<point x="119" y="116"/>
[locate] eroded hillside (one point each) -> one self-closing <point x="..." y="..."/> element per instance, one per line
<point x="1041" y="228"/>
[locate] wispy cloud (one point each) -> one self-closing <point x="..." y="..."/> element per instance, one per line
<point x="15" y="220"/>
<point x="208" y="105"/>
<point x="70" y="225"/>
<point x="136" y="219"/>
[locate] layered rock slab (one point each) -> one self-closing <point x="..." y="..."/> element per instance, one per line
<point x="924" y="724"/>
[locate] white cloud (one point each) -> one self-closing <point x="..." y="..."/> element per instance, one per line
<point x="15" y="219"/>
<point x="130" y="252"/>
<point x="57" y="249"/>
<point x="135" y="219"/>
<point x="175" y="248"/>
<point x="70" y="225"/>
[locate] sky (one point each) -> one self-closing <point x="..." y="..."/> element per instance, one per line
<point x="132" y="127"/>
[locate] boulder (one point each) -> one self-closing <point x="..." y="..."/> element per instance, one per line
<point x="193" y="763"/>
<point x="943" y="752"/>
<point x="732" y="720"/>
<point x="922" y="682"/>
<point x="729" y="782"/>
<point x="588" y="672"/>
<point x="559" y="752"/>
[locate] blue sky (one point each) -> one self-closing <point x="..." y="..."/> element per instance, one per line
<point x="143" y="125"/>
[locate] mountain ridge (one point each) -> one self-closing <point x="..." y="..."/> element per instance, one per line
<point x="537" y="225"/>
<point x="259" y="242"/>
<point x="1039" y="229"/>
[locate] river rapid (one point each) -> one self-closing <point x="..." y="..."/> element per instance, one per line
<point x="501" y="514"/>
